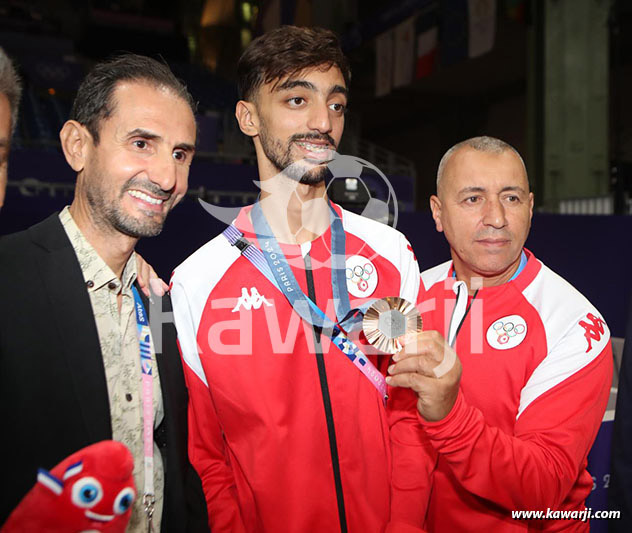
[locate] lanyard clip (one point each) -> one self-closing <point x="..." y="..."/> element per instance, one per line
<point x="242" y="243"/>
<point x="148" y="501"/>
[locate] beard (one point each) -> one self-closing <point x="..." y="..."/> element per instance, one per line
<point x="110" y="213"/>
<point x="280" y="156"/>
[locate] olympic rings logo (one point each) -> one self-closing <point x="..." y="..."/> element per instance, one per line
<point x="506" y="330"/>
<point x="360" y="275"/>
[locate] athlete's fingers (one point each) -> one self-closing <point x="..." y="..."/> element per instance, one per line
<point x="142" y="274"/>
<point x="147" y="277"/>
<point x="158" y="286"/>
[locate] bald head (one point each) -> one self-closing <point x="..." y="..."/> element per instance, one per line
<point x="485" y="144"/>
<point x="484" y="208"/>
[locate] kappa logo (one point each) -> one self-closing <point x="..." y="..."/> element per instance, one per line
<point x="250" y="301"/>
<point x="507" y="332"/>
<point x="361" y="276"/>
<point x="592" y="331"/>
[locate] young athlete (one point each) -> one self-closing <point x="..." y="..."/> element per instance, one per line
<point x="287" y="433"/>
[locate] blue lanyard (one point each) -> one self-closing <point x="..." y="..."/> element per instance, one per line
<point x="286" y="282"/>
<point x="523" y="262"/>
<point x="144" y="333"/>
<point x="274" y="266"/>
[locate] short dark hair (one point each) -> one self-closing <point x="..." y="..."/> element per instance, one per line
<point x="286" y="51"/>
<point x="94" y="103"/>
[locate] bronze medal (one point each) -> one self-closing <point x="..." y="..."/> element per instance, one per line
<point x="387" y="320"/>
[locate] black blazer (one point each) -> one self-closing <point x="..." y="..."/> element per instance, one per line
<point x="53" y="392"/>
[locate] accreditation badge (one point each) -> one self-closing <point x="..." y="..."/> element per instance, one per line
<point x="388" y="319"/>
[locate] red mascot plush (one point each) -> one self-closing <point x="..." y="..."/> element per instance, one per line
<point x="92" y="490"/>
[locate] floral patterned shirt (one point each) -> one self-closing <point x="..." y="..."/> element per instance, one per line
<point x="118" y="336"/>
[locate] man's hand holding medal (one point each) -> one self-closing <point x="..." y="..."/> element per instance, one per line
<point x="423" y="360"/>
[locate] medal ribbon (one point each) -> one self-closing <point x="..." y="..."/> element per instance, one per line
<point x="271" y="262"/>
<point x="146" y="350"/>
<point x="286" y="281"/>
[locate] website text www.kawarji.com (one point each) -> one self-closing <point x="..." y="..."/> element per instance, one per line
<point x="550" y="514"/>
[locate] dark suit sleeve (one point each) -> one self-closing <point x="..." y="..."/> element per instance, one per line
<point x="620" y="491"/>
<point x="53" y="390"/>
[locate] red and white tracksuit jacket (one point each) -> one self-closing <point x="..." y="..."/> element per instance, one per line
<point x="537" y="369"/>
<point x="258" y="423"/>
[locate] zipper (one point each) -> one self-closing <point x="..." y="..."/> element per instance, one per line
<point x="324" y="388"/>
<point x="460" y="311"/>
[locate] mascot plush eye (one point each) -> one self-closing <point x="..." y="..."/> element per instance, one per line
<point x="86" y="492"/>
<point x="124" y="500"/>
<point x="91" y="490"/>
